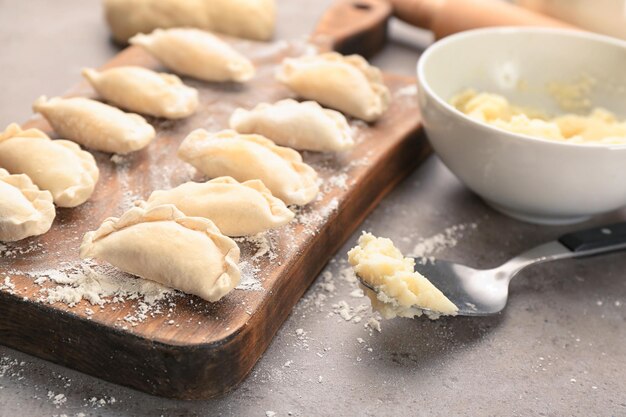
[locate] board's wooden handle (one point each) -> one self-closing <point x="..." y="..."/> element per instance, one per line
<point x="355" y="26"/>
<point x="445" y="17"/>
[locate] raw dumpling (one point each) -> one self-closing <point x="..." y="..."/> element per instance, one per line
<point x="96" y="125"/>
<point x="248" y="157"/>
<point x="25" y="210"/>
<point x="345" y="83"/>
<point x="305" y="126"/>
<point x="163" y="245"/>
<point x="196" y="53"/>
<point x="237" y="209"/>
<point x="59" y="166"/>
<point x="144" y="91"/>
<point x="251" y="19"/>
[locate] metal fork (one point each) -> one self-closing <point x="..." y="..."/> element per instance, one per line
<point x="479" y="292"/>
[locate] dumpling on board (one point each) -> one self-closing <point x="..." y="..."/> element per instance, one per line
<point x="196" y="53"/>
<point x="250" y="19"/>
<point x="345" y="83"/>
<point x="237" y="209"/>
<point x="59" y="166"/>
<point x="249" y="157"/>
<point x="305" y="126"/>
<point x="96" y="125"/>
<point x="144" y="91"/>
<point x="161" y="244"/>
<point x="25" y="210"/>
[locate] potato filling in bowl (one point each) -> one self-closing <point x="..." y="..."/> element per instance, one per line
<point x="599" y="126"/>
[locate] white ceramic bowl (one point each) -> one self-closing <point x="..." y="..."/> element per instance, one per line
<point x="532" y="179"/>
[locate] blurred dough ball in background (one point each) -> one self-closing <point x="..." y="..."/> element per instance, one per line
<point x="251" y="19"/>
<point x="602" y="16"/>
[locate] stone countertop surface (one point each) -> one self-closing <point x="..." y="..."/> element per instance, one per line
<point x="557" y="350"/>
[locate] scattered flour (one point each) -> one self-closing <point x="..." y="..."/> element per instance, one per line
<point x="98" y="284"/>
<point x="426" y="248"/>
<point x="95" y="402"/>
<point x="11" y="367"/>
<point x="357" y="293"/>
<point x="7" y="285"/>
<point x="407" y="91"/>
<point x="264" y="246"/>
<point x="57" y="399"/>
<point x="119" y="159"/>
<point x="261" y="243"/>
<point x="13" y="250"/>
<point x="123" y="166"/>
<point x="349" y="313"/>
<point x="311" y="219"/>
<point x="249" y="280"/>
<point x="302" y="339"/>
<point x="338" y="181"/>
<point x="373" y="324"/>
<point x="327" y="287"/>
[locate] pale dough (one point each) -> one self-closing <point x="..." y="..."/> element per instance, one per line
<point x="237" y="209"/>
<point x="401" y="291"/>
<point x="163" y="245"/>
<point x="96" y="125"/>
<point x="598" y="127"/>
<point x="144" y="91"/>
<point x="345" y="83"/>
<point x="196" y="53"/>
<point x="249" y="157"/>
<point x="59" y="166"/>
<point x="25" y="210"/>
<point x="305" y="126"/>
<point x="251" y="19"/>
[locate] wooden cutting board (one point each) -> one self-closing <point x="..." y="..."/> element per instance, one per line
<point x="193" y="349"/>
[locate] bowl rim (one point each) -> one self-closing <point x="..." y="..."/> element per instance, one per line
<point x="442" y="43"/>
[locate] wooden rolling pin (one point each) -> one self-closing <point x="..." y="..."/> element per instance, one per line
<point x="445" y="17"/>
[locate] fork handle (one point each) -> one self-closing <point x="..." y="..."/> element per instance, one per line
<point x="609" y="237"/>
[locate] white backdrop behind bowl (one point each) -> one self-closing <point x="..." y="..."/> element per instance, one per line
<point x="602" y="16"/>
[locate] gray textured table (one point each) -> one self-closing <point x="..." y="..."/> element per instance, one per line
<point x="558" y="349"/>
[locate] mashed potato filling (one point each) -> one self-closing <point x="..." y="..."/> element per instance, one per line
<point x="400" y="290"/>
<point x="598" y="127"/>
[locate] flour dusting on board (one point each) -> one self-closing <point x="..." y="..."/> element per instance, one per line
<point x="98" y="284"/>
<point x="409" y="91"/>
<point x="15" y="249"/>
<point x="122" y="169"/>
<point x="249" y="280"/>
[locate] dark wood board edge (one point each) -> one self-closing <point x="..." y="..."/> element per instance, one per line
<point x="164" y="364"/>
<point x="355" y="26"/>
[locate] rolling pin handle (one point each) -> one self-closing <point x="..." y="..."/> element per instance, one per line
<point x="445" y="17"/>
